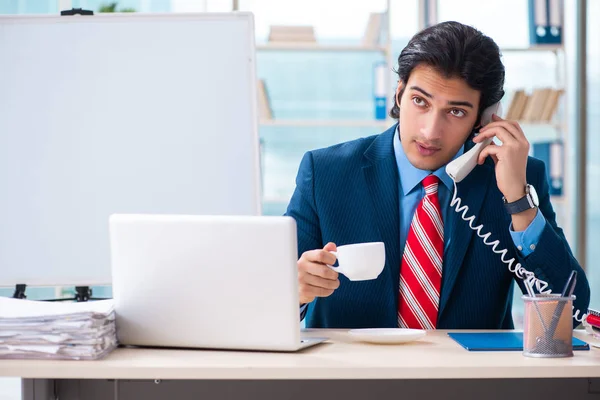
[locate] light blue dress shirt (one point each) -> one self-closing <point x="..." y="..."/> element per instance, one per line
<point x="411" y="192"/>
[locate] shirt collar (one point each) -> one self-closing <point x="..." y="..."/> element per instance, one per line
<point x="410" y="176"/>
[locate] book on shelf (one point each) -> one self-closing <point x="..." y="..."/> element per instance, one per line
<point x="264" y="104"/>
<point x="538" y="107"/>
<point x="534" y="106"/>
<point x="551" y="105"/>
<point x="517" y="104"/>
<point x="372" y="35"/>
<point x="292" y="33"/>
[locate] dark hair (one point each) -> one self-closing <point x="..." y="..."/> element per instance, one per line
<point x="456" y="51"/>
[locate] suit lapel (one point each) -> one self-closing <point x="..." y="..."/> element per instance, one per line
<point x="381" y="175"/>
<point x="471" y="191"/>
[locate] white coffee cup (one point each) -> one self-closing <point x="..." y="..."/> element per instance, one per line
<point x="360" y="261"/>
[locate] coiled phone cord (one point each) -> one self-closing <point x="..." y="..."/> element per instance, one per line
<point x="517" y="269"/>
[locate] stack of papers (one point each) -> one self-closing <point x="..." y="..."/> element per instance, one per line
<point x="55" y="330"/>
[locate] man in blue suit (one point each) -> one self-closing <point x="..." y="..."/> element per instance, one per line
<point x="438" y="272"/>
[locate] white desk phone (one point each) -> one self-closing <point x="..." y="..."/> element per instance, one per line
<point x="463" y="165"/>
<point x="458" y="170"/>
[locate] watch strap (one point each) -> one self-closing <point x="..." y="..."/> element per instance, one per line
<point x="524" y="203"/>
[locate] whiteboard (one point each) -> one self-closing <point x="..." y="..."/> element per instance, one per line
<point x="130" y="113"/>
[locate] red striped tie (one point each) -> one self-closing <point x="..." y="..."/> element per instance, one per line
<point x="421" y="268"/>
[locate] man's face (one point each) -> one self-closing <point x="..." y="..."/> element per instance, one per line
<point x="437" y="116"/>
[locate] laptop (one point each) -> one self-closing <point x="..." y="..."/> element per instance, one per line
<point x="218" y="282"/>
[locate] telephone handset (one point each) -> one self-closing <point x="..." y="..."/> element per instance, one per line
<point x="458" y="170"/>
<point x="463" y="165"/>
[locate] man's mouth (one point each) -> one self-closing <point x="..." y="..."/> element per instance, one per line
<point x="426" y="150"/>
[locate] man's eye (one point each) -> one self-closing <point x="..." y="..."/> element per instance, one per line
<point x="458" y="112"/>
<point x="418" y="101"/>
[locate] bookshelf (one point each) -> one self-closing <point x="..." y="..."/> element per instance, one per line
<point x="339" y="123"/>
<point x="295" y="46"/>
<point x="535" y="124"/>
<point x="317" y="129"/>
<point x="536" y="48"/>
<point x="377" y="39"/>
<point x="385" y="50"/>
<point x="549" y="115"/>
<point x="547" y="129"/>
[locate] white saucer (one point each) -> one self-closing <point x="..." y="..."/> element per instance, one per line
<point x="387" y="335"/>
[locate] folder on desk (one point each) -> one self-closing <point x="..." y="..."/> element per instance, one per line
<point x="499" y="341"/>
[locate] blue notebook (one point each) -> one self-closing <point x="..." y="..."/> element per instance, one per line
<point x="500" y="341"/>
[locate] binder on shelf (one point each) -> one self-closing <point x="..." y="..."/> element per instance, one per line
<point x="380" y="91"/>
<point x="551" y="153"/>
<point x="545" y="22"/>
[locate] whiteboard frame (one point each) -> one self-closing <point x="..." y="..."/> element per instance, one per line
<point x="248" y="17"/>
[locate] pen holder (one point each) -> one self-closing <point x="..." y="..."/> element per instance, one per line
<point x="548" y="326"/>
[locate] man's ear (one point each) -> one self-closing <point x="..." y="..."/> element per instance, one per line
<point x="399" y="91"/>
<point x="478" y="125"/>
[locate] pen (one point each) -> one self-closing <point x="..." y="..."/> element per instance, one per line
<point x="567" y="292"/>
<point x="529" y="286"/>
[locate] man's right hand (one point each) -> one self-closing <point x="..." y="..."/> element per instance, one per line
<point x="315" y="278"/>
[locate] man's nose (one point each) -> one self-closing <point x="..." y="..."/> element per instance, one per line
<point x="433" y="126"/>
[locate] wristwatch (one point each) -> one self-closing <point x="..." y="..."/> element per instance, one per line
<point x="530" y="200"/>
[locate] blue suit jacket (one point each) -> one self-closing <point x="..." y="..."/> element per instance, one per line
<point x="348" y="193"/>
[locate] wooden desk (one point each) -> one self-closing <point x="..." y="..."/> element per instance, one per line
<point x="433" y="366"/>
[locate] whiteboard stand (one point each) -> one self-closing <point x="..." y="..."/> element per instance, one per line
<point x="76" y="11"/>
<point x="82" y="293"/>
<point x="20" y="291"/>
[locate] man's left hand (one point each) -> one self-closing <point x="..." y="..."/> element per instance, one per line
<point x="510" y="158"/>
